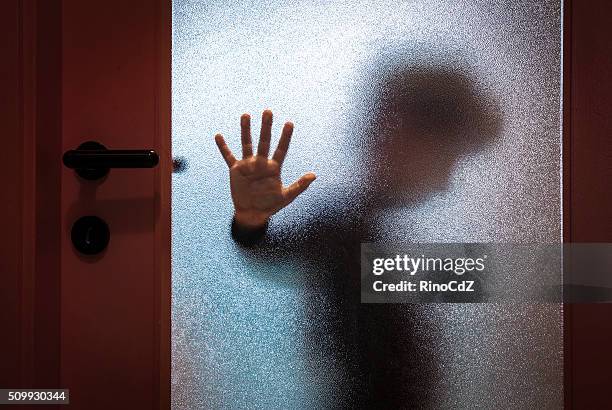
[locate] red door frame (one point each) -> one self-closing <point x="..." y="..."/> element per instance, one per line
<point x="587" y="174"/>
<point x="17" y="78"/>
<point x="29" y="177"/>
<point x="30" y="125"/>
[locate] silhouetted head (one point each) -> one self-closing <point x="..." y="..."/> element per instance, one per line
<point x="425" y="118"/>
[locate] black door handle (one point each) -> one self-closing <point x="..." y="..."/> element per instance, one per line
<point x="91" y="160"/>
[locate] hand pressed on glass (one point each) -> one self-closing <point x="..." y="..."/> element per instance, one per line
<point x="257" y="190"/>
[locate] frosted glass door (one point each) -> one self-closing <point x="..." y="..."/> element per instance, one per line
<point x="425" y="121"/>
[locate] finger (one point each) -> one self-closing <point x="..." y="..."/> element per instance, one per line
<point x="263" y="149"/>
<point x="283" y="144"/>
<point x="245" y="136"/>
<point x="225" y="151"/>
<point x="299" y="186"/>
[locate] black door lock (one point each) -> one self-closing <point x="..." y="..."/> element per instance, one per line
<point x="90" y="235"/>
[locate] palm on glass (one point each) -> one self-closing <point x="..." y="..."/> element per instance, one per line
<point x="257" y="190"/>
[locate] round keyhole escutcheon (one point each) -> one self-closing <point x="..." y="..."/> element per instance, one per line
<point x="90" y="235"/>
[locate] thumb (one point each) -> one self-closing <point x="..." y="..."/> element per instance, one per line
<point x="299" y="186"/>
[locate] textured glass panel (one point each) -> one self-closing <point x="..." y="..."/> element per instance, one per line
<point x="425" y="121"/>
